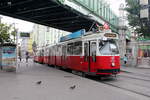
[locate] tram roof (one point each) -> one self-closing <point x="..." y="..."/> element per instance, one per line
<point x="91" y="36"/>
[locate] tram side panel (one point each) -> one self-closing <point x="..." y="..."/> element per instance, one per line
<point x="64" y="56"/>
<point x="41" y="58"/>
<point x="36" y="57"/>
<point x="47" y="55"/>
<point x="53" y="56"/>
<point x="77" y="58"/>
<point x="105" y="65"/>
<point x="58" y="55"/>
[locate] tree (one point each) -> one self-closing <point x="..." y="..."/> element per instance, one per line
<point x="133" y="9"/>
<point x="4" y="33"/>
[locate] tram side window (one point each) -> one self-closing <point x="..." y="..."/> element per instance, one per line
<point x="70" y="49"/>
<point x="77" y="50"/>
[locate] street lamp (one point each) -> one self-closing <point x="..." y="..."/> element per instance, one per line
<point x="17" y="38"/>
<point x="122" y="30"/>
<point x="0" y="49"/>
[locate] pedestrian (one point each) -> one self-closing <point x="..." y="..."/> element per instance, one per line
<point x="125" y="59"/>
<point x="20" y="58"/>
<point x="27" y="56"/>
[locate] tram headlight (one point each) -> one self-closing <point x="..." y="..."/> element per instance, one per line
<point x="112" y="64"/>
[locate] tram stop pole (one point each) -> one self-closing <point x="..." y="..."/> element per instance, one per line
<point x="17" y="38"/>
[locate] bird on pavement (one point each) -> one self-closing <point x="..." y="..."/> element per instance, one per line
<point x="39" y="82"/>
<point x="72" y="87"/>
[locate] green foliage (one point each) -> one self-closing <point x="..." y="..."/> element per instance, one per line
<point x="133" y="9"/>
<point x="4" y="33"/>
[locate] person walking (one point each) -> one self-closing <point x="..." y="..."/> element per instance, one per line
<point x="27" y="56"/>
<point x="20" y="58"/>
<point x="125" y="59"/>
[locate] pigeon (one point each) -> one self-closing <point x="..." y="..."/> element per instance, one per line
<point x="72" y="87"/>
<point x="39" y="82"/>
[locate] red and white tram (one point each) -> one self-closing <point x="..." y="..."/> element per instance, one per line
<point x="94" y="53"/>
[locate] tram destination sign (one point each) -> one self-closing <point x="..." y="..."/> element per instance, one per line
<point x="110" y="35"/>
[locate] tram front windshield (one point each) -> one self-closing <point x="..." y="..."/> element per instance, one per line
<point x="108" y="47"/>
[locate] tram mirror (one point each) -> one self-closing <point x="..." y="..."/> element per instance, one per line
<point x="101" y="43"/>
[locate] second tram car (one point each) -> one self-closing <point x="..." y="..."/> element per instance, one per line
<point x="92" y="53"/>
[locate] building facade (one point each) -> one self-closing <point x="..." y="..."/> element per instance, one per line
<point x="43" y="35"/>
<point x="24" y="46"/>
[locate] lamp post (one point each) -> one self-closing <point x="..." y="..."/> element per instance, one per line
<point x="122" y="30"/>
<point x="17" y="38"/>
<point x="0" y="49"/>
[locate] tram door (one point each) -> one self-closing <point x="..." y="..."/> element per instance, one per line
<point x="89" y="54"/>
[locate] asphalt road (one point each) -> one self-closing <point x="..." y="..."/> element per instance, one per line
<point x="56" y="85"/>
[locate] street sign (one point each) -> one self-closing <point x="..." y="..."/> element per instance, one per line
<point x="144" y="13"/>
<point x="24" y="34"/>
<point x="143" y="2"/>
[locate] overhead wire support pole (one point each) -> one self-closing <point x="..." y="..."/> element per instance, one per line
<point x="0" y="49"/>
<point x="17" y="36"/>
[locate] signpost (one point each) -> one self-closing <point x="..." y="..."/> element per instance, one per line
<point x="144" y="12"/>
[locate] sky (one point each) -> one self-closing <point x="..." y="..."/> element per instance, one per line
<point x="115" y="4"/>
<point x="25" y="26"/>
<point x="21" y="25"/>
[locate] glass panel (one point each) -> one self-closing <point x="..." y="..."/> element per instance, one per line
<point x="93" y="51"/>
<point x="77" y="50"/>
<point x="108" y="47"/>
<point x="70" y="49"/>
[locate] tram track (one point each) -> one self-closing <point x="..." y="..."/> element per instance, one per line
<point x="108" y="82"/>
<point x="136" y="92"/>
<point x="138" y="74"/>
<point x="147" y="80"/>
<point x="119" y="87"/>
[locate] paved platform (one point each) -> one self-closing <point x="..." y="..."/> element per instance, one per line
<point x="56" y="86"/>
<point x="135" y="69"/>
<point x="140" y="63"/>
